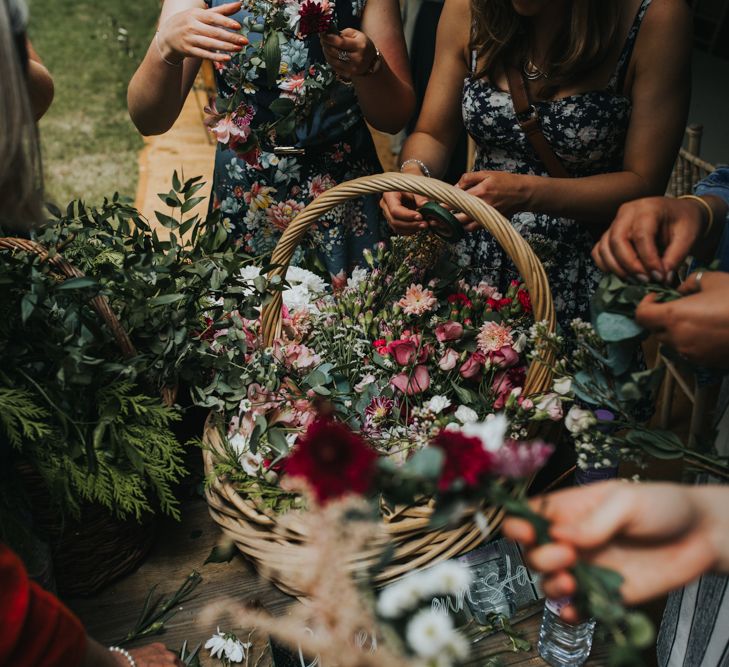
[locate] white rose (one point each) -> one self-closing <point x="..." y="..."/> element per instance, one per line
<point x="491" y="432"/>
<point x="438" y="403"/>
<point x="579" y="420"/>
<point x="466" y="415"/>
<point x="551" y="406"/>
<point x="562" y="386"/>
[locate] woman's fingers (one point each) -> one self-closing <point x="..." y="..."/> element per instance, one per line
<point x="559" y="585"/>
<point x="222" y="34"/>
<point x="197" y="52"/>
<point x="227" y="9"/>
<point x="519" y="530"/>
<point x="604" y="258"/>
<point x="209" y="44"/>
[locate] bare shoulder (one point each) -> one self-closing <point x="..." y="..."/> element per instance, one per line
<point x="667" y="17"/>
<point x="454" y="28"/>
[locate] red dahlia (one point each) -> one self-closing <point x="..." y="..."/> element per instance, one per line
<point x="315" y="18"/>
<point x="466" y="460"/>
<point x="332" y="460"/>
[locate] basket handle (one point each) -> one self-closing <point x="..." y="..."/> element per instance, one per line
<point x="518" y="250"/>
<point x="99" y="303"/>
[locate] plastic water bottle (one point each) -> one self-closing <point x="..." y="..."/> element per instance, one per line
<point x="564" y="644"/>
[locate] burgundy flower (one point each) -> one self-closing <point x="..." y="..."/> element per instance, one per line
<point x="333" y="461"/>
<point x="449" y="331"/>
<point x="504" y="382"/>
<point x="314" y="17"/>
<point x="466" y="460"/>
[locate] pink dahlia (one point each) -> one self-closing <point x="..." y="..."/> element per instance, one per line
<point x="417" y="300"/>
<point x="493" y="337"/>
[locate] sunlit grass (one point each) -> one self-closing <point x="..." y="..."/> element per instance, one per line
<point x="91" y="47"/>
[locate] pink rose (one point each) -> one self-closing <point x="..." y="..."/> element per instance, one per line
<point x="300" y="356"/>
<point x="502" y="387"/>
<point x="449" y="331"/>
<point x="506" y="357"/>
<point x="415" y="383"/>
<point x="403" y="351"/>
<point x="448" y="360"/>
<point x="473" y="366"/>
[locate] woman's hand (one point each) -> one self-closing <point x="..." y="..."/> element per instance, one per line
<point x="658" y="537"/>
<point x="350" y="53"/>
<point x="696" y="326"/>
<point x="202" y="33"/>
<point x="507" y="193"/>
<point x="400" y="210"/>
<point x="632" y="245"/>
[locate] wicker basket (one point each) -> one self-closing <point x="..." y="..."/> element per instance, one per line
<point x="93" y="551"/>
<point x="256" y="531"/>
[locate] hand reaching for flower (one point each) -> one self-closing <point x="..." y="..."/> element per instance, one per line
<point x="201" y="33"/>
<point x="657" y="536"/>
<point x="350" y="53"/>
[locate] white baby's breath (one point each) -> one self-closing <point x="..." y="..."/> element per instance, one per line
<point x="429" y="632"/>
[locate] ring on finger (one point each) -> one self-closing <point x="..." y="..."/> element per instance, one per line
<point x="343" y="56"/>
<point x="698" y="277"/>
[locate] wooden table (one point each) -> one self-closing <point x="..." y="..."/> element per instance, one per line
<point x="183" y="547"/>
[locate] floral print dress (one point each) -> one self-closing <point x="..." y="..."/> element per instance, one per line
<point x="587" y="131"/>
<point x="260" y="200"/>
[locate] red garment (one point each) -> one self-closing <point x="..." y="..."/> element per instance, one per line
<point x="36" y="629"/>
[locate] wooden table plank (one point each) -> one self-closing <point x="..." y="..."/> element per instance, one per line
<point x="182" y="547"/>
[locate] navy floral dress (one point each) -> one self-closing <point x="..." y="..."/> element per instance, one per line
<point x="259" y="201"/>
<point x="587" y="131"/>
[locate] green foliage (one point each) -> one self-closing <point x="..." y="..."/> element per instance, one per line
<point x="88" y="418"/>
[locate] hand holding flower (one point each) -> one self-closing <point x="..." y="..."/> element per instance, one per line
<point x="351" y="53"/>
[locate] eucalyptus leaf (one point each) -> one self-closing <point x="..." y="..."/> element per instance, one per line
<point x="614" y="327"/>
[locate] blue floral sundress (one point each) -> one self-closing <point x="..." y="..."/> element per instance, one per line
<point x="259" y="201"/>
<point x="588" y="132"/>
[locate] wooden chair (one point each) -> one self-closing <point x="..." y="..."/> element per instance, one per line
<point x="687" y="172"/>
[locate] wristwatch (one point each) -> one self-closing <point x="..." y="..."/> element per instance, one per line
<point x="376" y="63"/>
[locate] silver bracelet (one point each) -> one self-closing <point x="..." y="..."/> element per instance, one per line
<point x="125" y="653"/>
<point x="413" y="160"/>
<point x="162" y="55"/>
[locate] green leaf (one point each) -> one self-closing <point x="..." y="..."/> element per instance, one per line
<point x="176" y="185"/>
<point x="222" y="553"/>
<point x="277" y="440"/>
<point x="465" y="396"/>
<point x="613" y="327"/>
<point x="427" y="463"/>
<point x="165" y="299"/>
<point x="282" y="106"/>
<point x="640" y="630"/>
<point x="272" y="58"/>
<point x="191" y="203"/>
<point x="166" y="220"/>
<point x="77" y="283"/>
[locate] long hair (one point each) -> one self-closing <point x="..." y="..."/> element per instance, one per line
<point x="501" y="36"/>
<point x="20" y="166"/>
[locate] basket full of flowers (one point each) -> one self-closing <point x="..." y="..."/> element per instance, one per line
<point x="404" y="351"/>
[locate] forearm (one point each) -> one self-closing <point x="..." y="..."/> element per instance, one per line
<point x="99" y="656"/>
<point x="712" y="503"/>
<point x="387" y="101"/>
<point x="158" y="90"/>
<point x="431" y="150"/>
<point x="592" y="199"/>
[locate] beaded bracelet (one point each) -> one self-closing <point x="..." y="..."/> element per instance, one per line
<point x="125" y="653"/>
<point x="709" y="212"/>
<point x="413" y="160"/>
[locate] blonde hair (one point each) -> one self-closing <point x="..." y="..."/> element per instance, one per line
<point x="20" y="166"/>
<point x="501" y="36"/>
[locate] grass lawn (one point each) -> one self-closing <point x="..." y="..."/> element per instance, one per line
<point x="92" y="48"/>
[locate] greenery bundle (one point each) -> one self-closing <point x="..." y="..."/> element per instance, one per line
<point x="86" y="415"/>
